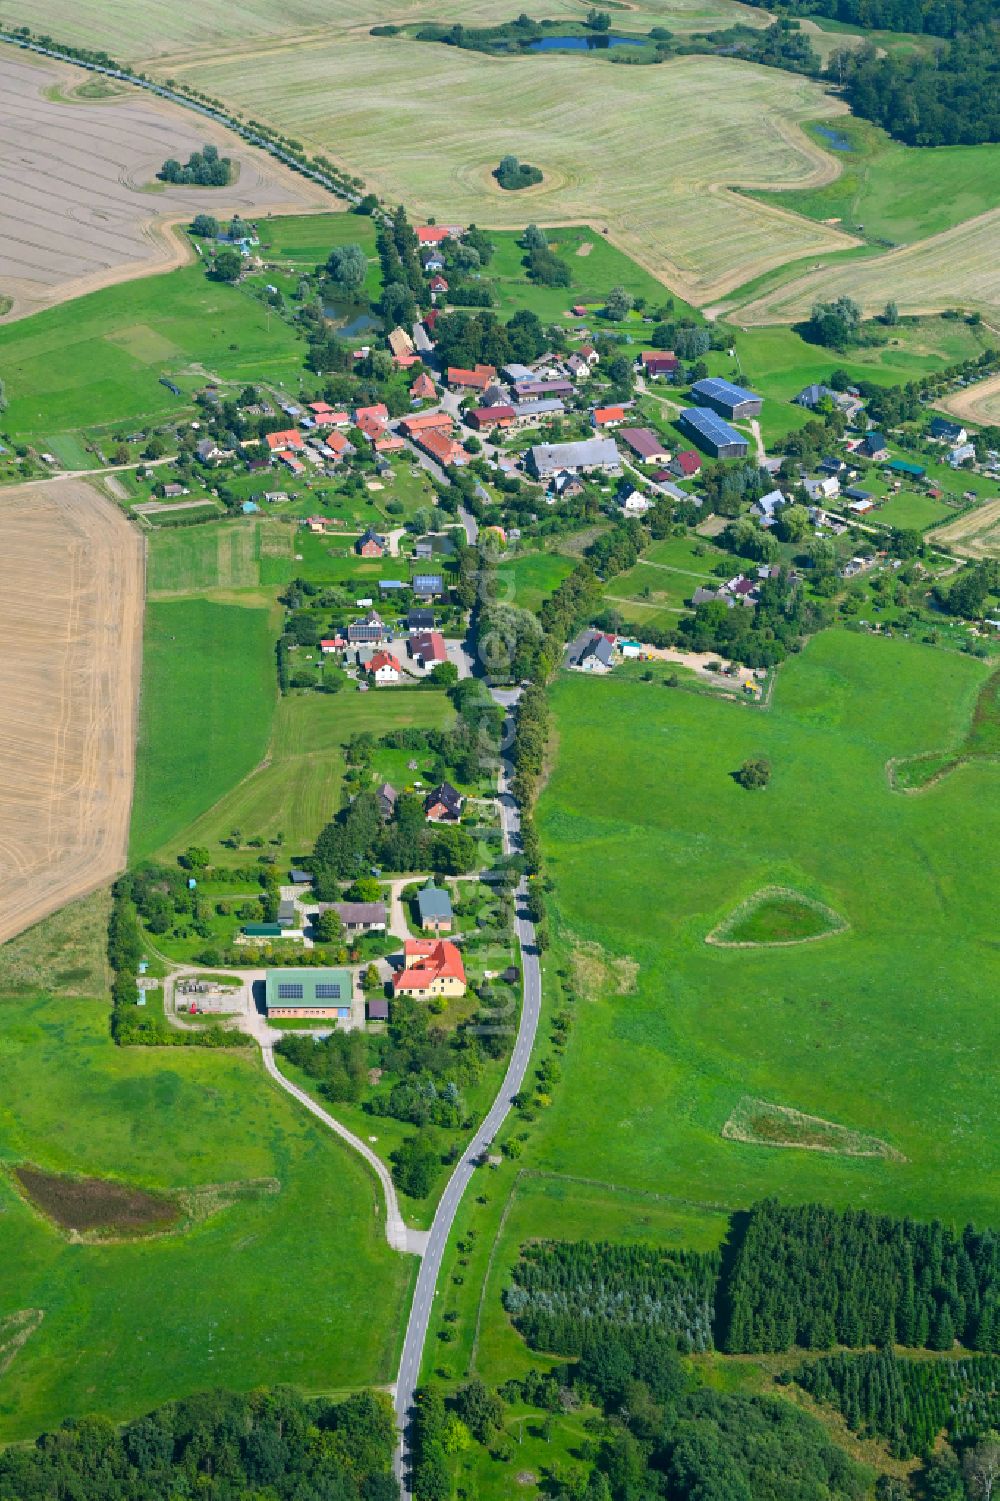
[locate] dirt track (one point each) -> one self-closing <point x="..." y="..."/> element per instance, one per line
<point x="82" y="206"/>
<point x="71" y="621"/>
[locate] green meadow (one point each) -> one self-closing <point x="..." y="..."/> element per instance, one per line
<point x="886" y="1028"/>
<point x="209" y="690"/>
<point x="289" y="1279"/>
<point x="99" y="359"/>
<point x="893" y="192"/>
<point x="529" y="578"/>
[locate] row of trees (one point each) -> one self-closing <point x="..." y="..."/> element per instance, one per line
<point x="910" y="1403"/>
<point x="273" y="1444"/>
<point x="566" y="1295"/>
<point x="813" y="1276"/>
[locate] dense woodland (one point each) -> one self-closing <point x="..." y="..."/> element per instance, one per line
<point x="812" y="1276"/>
<point x="908" y="1402"/>
<point x="222" y="1446"/>
<point x="941" y="18"/>
<point x="569" y="1295"/>
<point x="952" y="98"/>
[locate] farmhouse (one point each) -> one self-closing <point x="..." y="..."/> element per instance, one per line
<point x="400" y="342"/>
<point x="370" y="545"/>
<point x="943" y="431"/>
<point x="440" y="447"/>
<point x="443" y="805"/>
<point x="384" y="668"/>
<point x="734" y="402"/>
<point x="361" y="917"/>
<point x="427" y="648"/>
<point x="528" y="412"/>
<point x="434" y="906"/>
<point x="386" y="797"/>
<point x="422" y="388"/>
<point x="547" y="459"/>
<point x="485" y="419"/>
<point x="714" y="435"/>
<point x="561" y="388"/>
<point x="309" y="993"/>
<point x="433" y="234"/>
<point x="654" y="362"/>
<point x="872" y="446"/>
<point x="432" y="966"/>
<point x="649" y="446"/>
<point x="370" y="631"/>
<point x="476" y="379"/>
<point x="283" y="442"/>
<point x="810" y="397"/>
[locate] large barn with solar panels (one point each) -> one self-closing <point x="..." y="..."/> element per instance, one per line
<point x="712" y="434"/>
<point x="734" y="402"/>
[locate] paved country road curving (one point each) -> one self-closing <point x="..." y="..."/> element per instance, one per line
<point x="444" y="1218"/>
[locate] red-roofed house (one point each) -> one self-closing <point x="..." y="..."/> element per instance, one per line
<point x="427" y="648"/>
<point x="389" y="443"/>
<point x="379" y="411"/>
<point x="405" y="361"/>
<point x="423" y="388"/>
<point x="432" y="966"/>
<point x="658" y="362"/>
<point x="476" y="379"/>
<point x="431" y="318"/>
<point x="339" y="445"/>
<point x="578" y="310"/>
<point x="334" y="643"/>
<point x="384" y="668"/>
<point x="485" y="418"/>
<point x="438" y="284"/>
<point x="440" y="447"/>
<point x="373" y="427"/>
<point x="291" y="462"/>
<point x="425" y="422"/>
<point x="608" y="416"/>
<point x="686" y="464"/>
<point x="433" y="234"/>
<point x="283" y="442"/>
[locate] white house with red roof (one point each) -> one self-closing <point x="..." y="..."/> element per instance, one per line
<point x="431" y="966"/>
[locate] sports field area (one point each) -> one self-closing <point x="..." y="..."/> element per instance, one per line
<point x="866" y="1028"/>
<point x="280" y="1264"/>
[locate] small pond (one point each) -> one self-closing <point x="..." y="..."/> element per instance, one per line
<point x="834" y="139"/>
<point x="595" y="43"/>
<point x="351" y="320"/>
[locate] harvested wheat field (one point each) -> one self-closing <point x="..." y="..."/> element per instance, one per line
<point x="958" y="268"/>
<point x="71" y="618"/>
<point x="648" y="162"/>
<point x="974" y="535"/>
<point x="978" y="403"/>
<point x="78" y="183"/>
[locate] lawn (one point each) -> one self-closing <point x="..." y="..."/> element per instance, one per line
<point x="209" y="689"/>
<point x="99" y="359"/>
<point x="298" y="787"/>
<point x="292" y="1282"/>
<point x="529" y="578"/>
<point x="886" y="1028"/>
<point x="907" y="509"/>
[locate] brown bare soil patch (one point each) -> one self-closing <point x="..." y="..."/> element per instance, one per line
<point x="75" y="179"/>
<point x="71" y="616"/>
<point x="96" y="1204"/>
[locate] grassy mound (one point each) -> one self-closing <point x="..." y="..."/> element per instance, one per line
<point x="762" y="1124"/>
<point x="776" y="915"/>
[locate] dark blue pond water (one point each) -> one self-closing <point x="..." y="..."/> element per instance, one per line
<point x="582" y="43"/>
<point x="834" y="139"/>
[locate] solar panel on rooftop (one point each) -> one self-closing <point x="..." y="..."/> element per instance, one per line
<point x="289" y="991"/>
<point x="711" y="426"/>
<point x="326" y="992"/>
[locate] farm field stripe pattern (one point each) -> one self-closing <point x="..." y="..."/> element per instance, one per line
<point x="104" y="226"/>
<point x="72" y="603"/>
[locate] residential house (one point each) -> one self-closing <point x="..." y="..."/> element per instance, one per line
<point x="431" y="967"/>
<point x="370" y="631"/>
<point x="443" y="805"/>
<point x="423" y="388"/>
<point x="566" y="486"/>
<point x="427" y="648"/>
<point x="703" y="596"/>
<point x="961" y="453"/>
<point x="591" y="651"/>
<point x="485" y="419"/>
<point x="419" y="620"/>
<point x="433" y="234"/>
<point x="823" y="487"/>
<point x="633" y="502"/>
<point x="434" y="906"/>
<point x="832" y="464"/>
<point x="873" y="446"/>
<point x="528" y="413"/>
<point x="943" y="431"/>
<point x="284" y="442"/>
<point x="389" y="443"/>
<point x="766" y="509"/>
<point x="339" y="446"/>
<point x="608" y="416"/>
<point x="438" y="285"/>
<point x="432" y="260"/>
<point x="811" y="397"/>
<point x="476" y="379"/>
<point x="647" y="445"/>
<point x="207" y="449"/>
<point x="686" y="464"/>
<point x="386" y="797"/>
<point x="370" y="545"/>
<point x="577" y="366"/>
<point x="384" y="668"/>
<point x="361" y="917"/>
<point x="656" y="362"/>
<point x="589" y="353"/>
<point x="400" y="342"/>
<point x="440" y="447"/>
<point x="426" y="422"/>
<point x="377" y="413"/>
<point x="427" y="585"/>
<point x="331" y="644"/>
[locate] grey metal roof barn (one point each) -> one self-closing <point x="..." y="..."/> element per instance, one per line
<point x="713" y="433"/>
<point x="592" y="453"/>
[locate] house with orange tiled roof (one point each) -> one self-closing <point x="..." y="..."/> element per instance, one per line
<point x="384" y="668"/>
<point x="432" y="966"/>
<point x="440" y="447"/>
<point x="389" y="443"/>
<point x="424" y="422"/>
<point x="283" y="442"/>
<point x="423" y="388"/>
<point x="476" y="379"/>
<point x="608" y="416"/>
<point x="377" y="413"/>
<point x="373" y="427"/>
<point x="433" y="234"/>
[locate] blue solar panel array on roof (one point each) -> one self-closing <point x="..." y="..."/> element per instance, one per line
<point x="714" y="387"/>
<point x="711" y="426"/>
